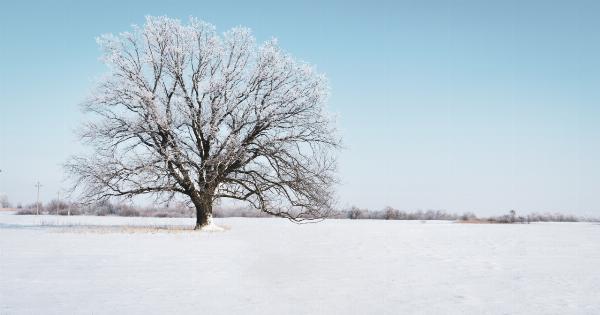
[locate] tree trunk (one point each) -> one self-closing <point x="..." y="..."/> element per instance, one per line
<point x="203" y="211"/>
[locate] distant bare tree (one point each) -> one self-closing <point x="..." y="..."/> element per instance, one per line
<point x="391" y="213"/>
<point x="355" y="213"/>
<point x="184" y="111"/>
<point x="4" y="203"/>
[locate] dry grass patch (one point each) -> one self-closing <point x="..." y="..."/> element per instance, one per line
<point x="136" y="229"/>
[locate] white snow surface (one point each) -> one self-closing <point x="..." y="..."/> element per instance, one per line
<point x="96" y="265"/>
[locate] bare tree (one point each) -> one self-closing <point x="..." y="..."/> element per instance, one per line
<point x="4" y="203"/>
<point x="185" y="111"/>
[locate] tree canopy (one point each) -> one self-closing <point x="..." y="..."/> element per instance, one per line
<point x="185" y="111"/>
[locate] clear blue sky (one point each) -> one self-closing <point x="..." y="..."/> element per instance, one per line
<point x="480" y="106"/>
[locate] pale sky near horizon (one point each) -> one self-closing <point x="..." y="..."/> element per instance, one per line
<point x="479" y="106"/>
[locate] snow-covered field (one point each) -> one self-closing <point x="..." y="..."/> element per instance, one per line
<point x="93" y="265"/>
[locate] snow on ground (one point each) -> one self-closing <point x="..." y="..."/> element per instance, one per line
<point x="60" y="265"/>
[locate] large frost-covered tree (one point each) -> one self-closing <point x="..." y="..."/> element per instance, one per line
<point x="185" y="111"/>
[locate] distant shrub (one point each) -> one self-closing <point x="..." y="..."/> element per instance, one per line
<point x="26" y="211"/>
<point x="73" y="211"/>
<point x="34" y="206"/>
<point x="128" y="212"/>
<point x="103" y="212"/>
<point x="55" y="206"/>
<point x="468" y="216"/>
<point x="240" y="212"/>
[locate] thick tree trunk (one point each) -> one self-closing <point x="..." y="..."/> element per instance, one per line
<point x="203" y="211"/>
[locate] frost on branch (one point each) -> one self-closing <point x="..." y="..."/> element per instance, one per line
<point x="186" y="111"/>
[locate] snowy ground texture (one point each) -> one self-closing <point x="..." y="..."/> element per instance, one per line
<point x="61" y="265"/>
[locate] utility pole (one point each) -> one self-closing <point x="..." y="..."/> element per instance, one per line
<point x="37" y="205"/>
<point x="57" y="201"/>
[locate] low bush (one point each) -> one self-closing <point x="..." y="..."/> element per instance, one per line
<point x="26" y="211"/>
<point x="67" y="212"/>
<point x="128" y="212"/>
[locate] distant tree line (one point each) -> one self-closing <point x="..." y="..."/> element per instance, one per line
<point x="390" y="213"/>
<point x="512" y="217"/>
<point x="107" y="208"/>
<point x="181" y="210"/>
